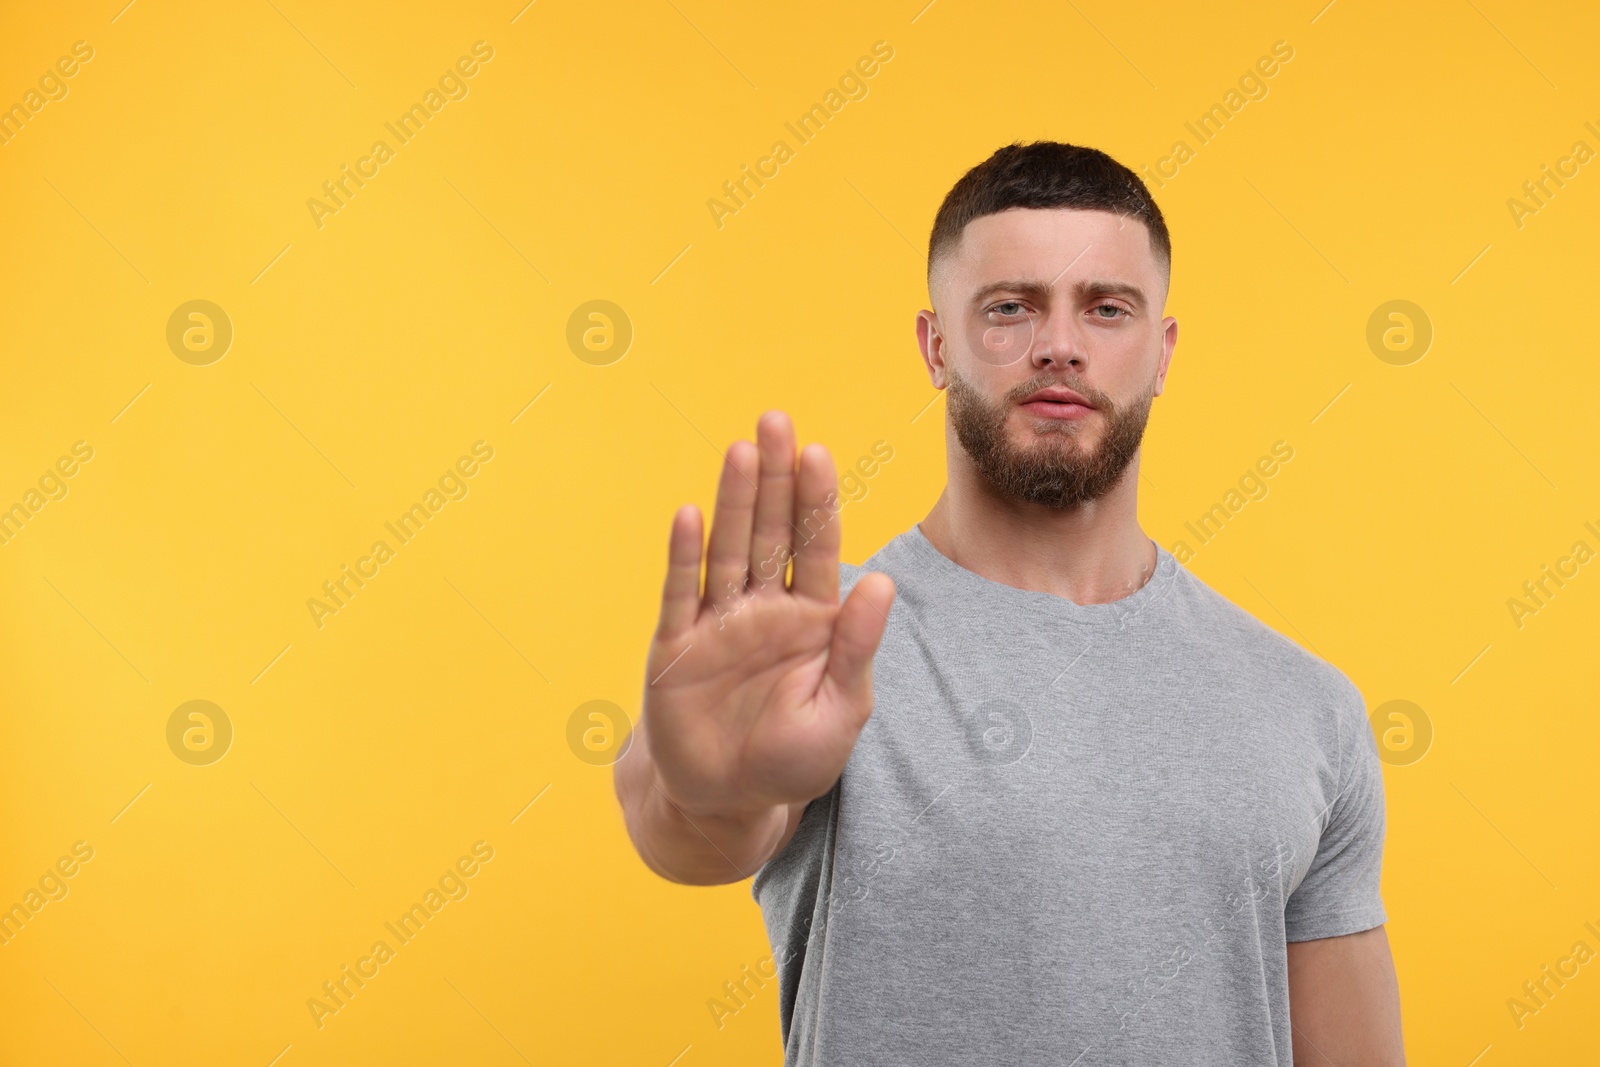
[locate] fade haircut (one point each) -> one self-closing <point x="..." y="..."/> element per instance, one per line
<point x="1046" y="174"/>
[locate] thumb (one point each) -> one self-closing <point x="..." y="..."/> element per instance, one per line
<point x="856" y="633"/>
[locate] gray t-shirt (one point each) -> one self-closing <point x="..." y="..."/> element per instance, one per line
<point x="1073" y="834"/>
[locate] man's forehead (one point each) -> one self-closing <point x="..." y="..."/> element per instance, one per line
<point x="1019" y="234"/>
<point x="1049" y="245"/>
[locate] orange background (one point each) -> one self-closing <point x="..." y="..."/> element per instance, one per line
<point x="368" y="354"/>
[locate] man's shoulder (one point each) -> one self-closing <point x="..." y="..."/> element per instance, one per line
<point x="1244" y="638"/>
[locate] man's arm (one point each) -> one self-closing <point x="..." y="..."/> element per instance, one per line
<point x="1344" y="1002"/>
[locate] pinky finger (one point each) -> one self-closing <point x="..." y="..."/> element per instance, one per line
<point x="680" y="594"/>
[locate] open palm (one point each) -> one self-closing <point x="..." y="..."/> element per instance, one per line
<point x="755" y="692"/>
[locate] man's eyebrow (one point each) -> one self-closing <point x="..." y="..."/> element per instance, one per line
<point x="1029" y="287"/>
<point x="1038" y="290"/>
<point x="1133" y="293"/>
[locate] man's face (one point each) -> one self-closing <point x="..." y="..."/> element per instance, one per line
<point x="1034" y="305"/>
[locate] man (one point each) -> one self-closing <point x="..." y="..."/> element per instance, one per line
<point x="1033" y="794"/>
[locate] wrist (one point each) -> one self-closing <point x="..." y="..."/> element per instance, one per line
<point x="731" y="819"/>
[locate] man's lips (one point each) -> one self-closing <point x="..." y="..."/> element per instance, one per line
<point x="1057" y="403"/>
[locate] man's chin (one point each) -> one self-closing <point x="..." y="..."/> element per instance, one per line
<point x="1033" y="431"/>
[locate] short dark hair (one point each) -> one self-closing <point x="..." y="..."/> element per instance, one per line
<point x="1046" y="174"/>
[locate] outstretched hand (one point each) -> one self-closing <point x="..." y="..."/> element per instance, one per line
<point x="755" y="691"/>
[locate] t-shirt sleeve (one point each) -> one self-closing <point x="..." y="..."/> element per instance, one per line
<point x="1340" y="893"/>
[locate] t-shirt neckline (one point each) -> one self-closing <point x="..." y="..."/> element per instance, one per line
<point x="1117" y="614"/>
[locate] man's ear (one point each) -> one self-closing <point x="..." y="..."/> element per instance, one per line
<point x="1169" y="341"/>
<point x="931" y="341"/>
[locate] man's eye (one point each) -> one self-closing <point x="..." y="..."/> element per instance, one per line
<point x="1116" y="311"/>
<point x="1008" y="309"/>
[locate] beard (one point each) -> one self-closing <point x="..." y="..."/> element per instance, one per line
<point x="1056" y="470"/>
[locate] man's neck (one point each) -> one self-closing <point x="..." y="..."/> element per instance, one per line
<point x="1094" y="553"/>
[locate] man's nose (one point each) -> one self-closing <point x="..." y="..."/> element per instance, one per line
<point x="1058" y="340"/>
